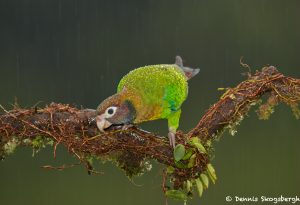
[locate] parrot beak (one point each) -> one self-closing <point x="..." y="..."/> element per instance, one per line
<point x="102" y="123"/>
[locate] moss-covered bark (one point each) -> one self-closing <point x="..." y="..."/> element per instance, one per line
<point x="131" y="149"/>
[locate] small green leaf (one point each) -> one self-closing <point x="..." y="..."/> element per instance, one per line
<point x="188" y="185"/>
<point x="211" y="178"/>
<point x="191" y="161"/>
<point x="188" y="154"/>
<point x="195" y="141"/>
<point x="211" y="169"/>
<point x="170" y="169"/>
<point x="200" y="148"/>
<point x="180" y="165"/>
<point x="204" y="180"/>
<point x="211" y="173"/>
<point x="199" y="187"/>
<point x="176" y="194"/>
<point x="179" y="152"/>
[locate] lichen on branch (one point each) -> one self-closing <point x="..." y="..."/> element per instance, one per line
<point x="132" y="148"/>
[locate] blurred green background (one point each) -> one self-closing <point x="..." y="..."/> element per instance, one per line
<point x="75" y="51"/>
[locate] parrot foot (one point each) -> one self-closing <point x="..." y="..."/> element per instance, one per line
<point x="127" y="126"/>
<point x="91" y="120"/>
<point x="171" y="136"/>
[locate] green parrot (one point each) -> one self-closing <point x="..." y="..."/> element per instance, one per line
<point x="148" y="93"/>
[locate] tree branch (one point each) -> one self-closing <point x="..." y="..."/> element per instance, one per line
<point x="132" y="148"/>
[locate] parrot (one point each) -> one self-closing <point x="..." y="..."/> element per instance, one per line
<point x="148" y="93"/>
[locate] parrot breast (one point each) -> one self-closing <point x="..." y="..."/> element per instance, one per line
<point x="156" y="91"/>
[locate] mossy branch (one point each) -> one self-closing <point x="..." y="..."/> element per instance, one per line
<point x="131" y="148"/>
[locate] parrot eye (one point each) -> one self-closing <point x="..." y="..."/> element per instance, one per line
<point x="110" y="111"/>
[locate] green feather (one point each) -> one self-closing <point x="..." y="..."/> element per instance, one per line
<point x="161" y="88"/>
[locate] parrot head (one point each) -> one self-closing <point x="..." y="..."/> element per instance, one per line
<point x="115" y="110"/>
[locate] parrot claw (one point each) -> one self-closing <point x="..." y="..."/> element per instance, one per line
<point x="91" y="120"/>
<point x="127" y="126"/>
<point x="171" y="136"/>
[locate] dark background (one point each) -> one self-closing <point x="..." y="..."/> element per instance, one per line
<point x="75" y="51"/>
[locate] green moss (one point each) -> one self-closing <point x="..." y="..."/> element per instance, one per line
<point x="26" y="141"/>
<point x="38" y="143"/>
<point x="11" y="146"/>
<point x="264" y="112"/>
<point x="295" y="110"/>
<point x="232" y="127"/>
<point x="133" y="164"/>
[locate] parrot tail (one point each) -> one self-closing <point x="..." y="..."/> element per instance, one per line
<point x="189" y="72"/>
